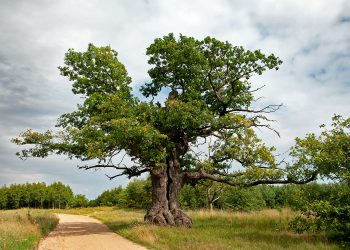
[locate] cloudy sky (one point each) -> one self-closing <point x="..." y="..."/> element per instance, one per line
<point x="311" y="37"/>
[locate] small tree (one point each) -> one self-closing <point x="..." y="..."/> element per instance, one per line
<point x="329" y="154"/>
<point x="209" y="96"/>
<point x="212" y="190"/>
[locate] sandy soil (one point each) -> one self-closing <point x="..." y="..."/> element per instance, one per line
<point x="84" y="233"/>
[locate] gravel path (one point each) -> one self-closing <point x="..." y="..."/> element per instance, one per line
<point x="84" y="233"/>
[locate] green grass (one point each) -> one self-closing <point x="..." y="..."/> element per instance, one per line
<point x="22" y="229"/>
<point x="217" y="230"/>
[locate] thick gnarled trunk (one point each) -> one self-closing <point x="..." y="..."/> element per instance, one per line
<point x="166" y="186"/>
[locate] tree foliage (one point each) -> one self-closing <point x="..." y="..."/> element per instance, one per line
<point x="329" y="153"/>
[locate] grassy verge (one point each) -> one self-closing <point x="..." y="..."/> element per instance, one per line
<point x="217" y="230"/>
<point x="22" y="229"/>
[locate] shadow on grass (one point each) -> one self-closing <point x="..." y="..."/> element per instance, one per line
<point x="119" y="226"/>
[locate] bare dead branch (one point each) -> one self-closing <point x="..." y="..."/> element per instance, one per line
<point x="257" y="89"/>
<point x="113" y="176"/>
<point x="128" y="171"/>
<point x="266" y="110"/>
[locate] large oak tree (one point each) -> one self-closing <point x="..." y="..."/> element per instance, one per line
<point x="208" y="105"/>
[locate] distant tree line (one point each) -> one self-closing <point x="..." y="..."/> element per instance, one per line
<point x="324" y="206"/>
<point x="256" y="198"/>
<point x="40" y="195"/>
<point x="137" y="194"/>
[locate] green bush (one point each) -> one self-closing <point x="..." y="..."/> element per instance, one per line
<point x="243" y="199"/>
<point x="138" y="194"/>
<point x="326" y="211"/>
<point x="79" y="200"/>
<point x="192" y="198"/>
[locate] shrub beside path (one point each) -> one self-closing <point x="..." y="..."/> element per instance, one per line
<point x="83" y="232"/>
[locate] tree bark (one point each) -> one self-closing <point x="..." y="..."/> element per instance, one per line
<point x="166" y="186"/>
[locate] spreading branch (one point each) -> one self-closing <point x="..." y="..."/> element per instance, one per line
<point x="202" y="174"/>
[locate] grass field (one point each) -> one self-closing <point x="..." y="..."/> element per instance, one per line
<point x="22" y="229"/>
<point x="217" y="230"/>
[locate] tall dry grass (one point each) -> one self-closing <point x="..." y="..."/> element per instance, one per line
<point x="22" y="229"/>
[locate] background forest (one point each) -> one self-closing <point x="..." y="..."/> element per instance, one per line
<point x="137" y="194"/>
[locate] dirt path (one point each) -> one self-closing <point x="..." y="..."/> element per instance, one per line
<point x="84" y="233"/>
